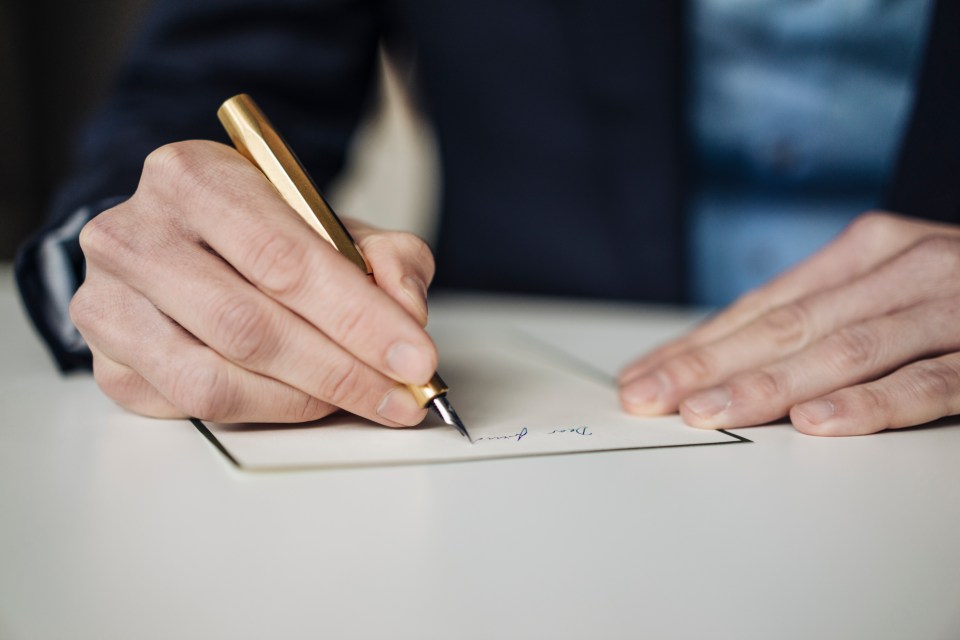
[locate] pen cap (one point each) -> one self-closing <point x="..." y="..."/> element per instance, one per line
<point x="255" y="138"/>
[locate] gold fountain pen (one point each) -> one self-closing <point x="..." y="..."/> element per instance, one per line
<point x="259" y="142"/>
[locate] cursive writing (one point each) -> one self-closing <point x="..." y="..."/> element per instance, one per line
<point x="580" y="431"/>
<point x="517" y="436"/>
<point x="520" y="435"/>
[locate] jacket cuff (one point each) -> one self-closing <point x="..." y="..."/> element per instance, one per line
<point x="49" y="269"/>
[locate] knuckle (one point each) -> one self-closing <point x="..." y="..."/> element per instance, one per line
<point x="874" y="227"/>
<point x="418" y="250"/>
<point x="122" y="386"/>
<point x="105" y="239"/>
<point x="788" y="327"/>
<point x="278" y="265"/>
<point x="307" y="408"/>
<point x="348" y="326"/>
<point x="173" y="160"/>
<point x="84" y="310"/>
<point x="108" y="381"/>
<point x="92" y="234"/>
<point x="204" y="391"/>
<point x="688" y="368"/>
<point x="871" y="401"/>
<point x="938" y="255"/>
<point x="180" y="167"/>
<point x="761" y="384"/>
<point x="853" y="347"/>
<point x="340" y="384"/>
<point x="244" y="329"/>
<point x="409" y="246"/>
<point x="934" y="380"/>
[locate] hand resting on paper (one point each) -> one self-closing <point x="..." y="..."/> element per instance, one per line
<point x="861" y="337"/>
<point x="207" y="296"/>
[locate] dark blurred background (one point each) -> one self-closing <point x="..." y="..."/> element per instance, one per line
<point x="57" y="59"/>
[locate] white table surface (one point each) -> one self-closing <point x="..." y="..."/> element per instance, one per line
<point x="117" y="526"/>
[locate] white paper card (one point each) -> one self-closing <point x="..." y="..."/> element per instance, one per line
<point x="517" y="398"/>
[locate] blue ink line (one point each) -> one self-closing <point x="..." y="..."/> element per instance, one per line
<point x="519" y="436"/>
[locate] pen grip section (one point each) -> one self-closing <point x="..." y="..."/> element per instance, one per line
<point x="424" y="394"/>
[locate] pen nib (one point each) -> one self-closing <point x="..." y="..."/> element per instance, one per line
<point x="445" y="410"/>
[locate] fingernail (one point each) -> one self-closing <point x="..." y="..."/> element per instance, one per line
<point x="643" y="391"/>
<point x="816" y="411"/>
<point x="409" y="363"/>
<point x="709" y="403"/>
<point x="400" y="407"/>
<point x="417" y="291"/>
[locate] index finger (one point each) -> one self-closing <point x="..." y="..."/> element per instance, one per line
<point x="867" y="242"/>
<point x="238" y="213"/>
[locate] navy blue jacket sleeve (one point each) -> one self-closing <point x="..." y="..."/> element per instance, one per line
<point x="309" y="63"/>
<point x="927" y="180"/>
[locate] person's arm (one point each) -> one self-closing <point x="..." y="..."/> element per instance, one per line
<point x="203" y="293"/>
<point x="309" y="63"/>
<point x="861" y="337"/>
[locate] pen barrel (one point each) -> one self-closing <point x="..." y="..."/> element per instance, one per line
<point x="424" y="394"/>
<point x="256" y="139"/>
